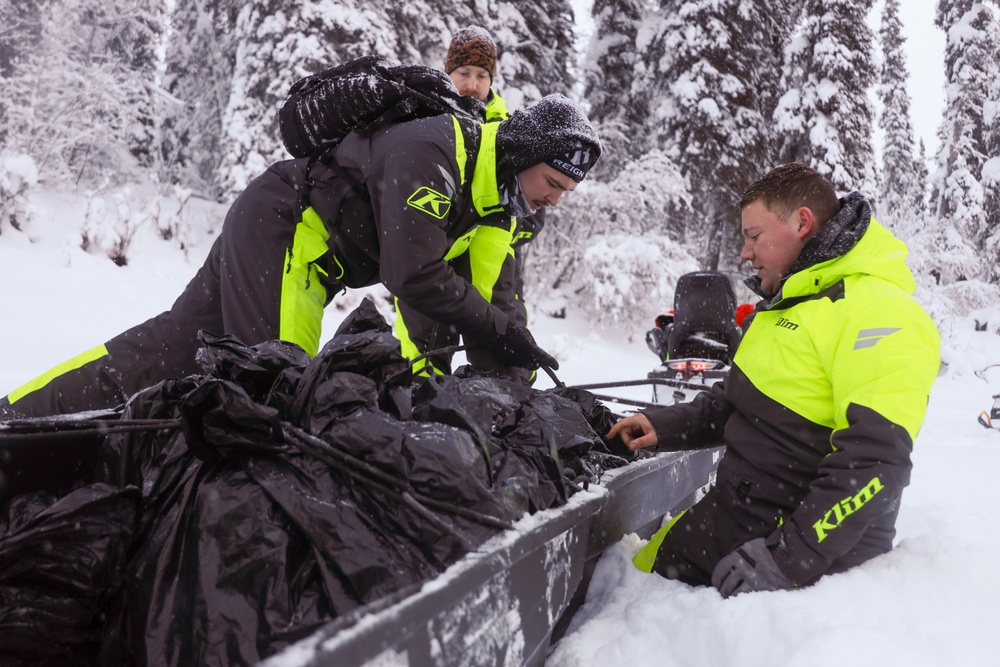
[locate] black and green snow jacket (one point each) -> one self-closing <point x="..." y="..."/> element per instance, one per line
<point x="827" y="392"/>
<point x="492" y="268"/>
<point x="396" y="206"/>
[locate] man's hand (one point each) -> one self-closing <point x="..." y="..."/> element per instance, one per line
<point x="636" y="432"/>
<point x="750" y="568"/>
<point x="517" y="347"/>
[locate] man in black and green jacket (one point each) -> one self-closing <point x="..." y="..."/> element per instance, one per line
<point x="392" y="208"/>
<point x="471" y="63"/>
<point x="827" y="392"/>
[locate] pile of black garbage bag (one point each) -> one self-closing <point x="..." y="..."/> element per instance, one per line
<point x="276" y="493"/>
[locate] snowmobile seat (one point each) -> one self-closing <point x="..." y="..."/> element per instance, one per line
<point x="704" y="325"/>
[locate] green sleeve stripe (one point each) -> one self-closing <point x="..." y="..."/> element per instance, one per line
<point x="488" y="251"/>
<point x="303" y="296"/>
<point x="461" y="155"/>
<point x="408" y="348"/>
<point x="63" y="368"/>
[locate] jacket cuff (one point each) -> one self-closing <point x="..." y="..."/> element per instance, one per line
<point x="794" y="557"/>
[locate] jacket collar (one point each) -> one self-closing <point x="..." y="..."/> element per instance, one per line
<point x="485" y="192"/>
<point x="834" y="239"/>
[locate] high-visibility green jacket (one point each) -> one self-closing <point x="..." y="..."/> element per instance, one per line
<point x="486" y="260"/>
<point x="496" y="107"/>
<point x="827" y="392"/>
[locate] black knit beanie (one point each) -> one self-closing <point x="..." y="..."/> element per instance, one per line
<point x="554" y="131"/>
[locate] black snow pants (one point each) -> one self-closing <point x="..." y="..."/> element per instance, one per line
<point x="734" y="512"/>
<point x="237" y="291"/>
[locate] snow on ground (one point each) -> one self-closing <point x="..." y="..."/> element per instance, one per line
<point x="932" y="601"/>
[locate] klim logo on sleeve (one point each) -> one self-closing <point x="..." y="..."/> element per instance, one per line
<point x="431" y="202"/>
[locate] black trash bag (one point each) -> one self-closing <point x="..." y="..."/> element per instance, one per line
<point x="426" y="459"/>
<point x="440" y="398"/>
<point x="551" y="432"/>
<point x="535" y="439"/>
<point x="221" y="420"/>
<point x="333" y="397"/>
<point x="480" y="405"/>
<point x="601" y="419"/>
<point x="364" y="345"/>
<point x="60" y="562"/>
<point x="274" y="541"/>
<point x="263" y="519"/>
<point x="255" y="368"/>
<point x="130" y="459"/>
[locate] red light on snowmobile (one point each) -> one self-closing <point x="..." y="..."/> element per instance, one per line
<point x="693" y="365"/>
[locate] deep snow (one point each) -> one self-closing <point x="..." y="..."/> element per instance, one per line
<point x="932" y="601"/>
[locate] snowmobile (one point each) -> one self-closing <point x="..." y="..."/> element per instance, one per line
<point x="694" y="342"/>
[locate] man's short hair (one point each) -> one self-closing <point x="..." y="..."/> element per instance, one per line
<point x="786" y="188"/>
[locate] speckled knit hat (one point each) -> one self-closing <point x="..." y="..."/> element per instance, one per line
<point x="472" y="46"/>
<point x="554" y="131"/>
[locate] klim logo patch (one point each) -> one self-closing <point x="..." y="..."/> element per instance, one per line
<point x="431" y="202"/>
<point x="845" y="508"/>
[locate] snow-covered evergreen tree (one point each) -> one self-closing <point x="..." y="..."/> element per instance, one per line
<point x="199" y="71"/>
<point x="279" y="42"/>
<point x="921" y="176"/>
<point x="825" y="116"/>
<point x="709" y="118"/>
<point x="85" y="91"/>
<point x="781" y="22"/>
<point x="971" y="67"/>
<point x="902" y="194"/>
<point x="424" y="28"/>
<point x="991" y="143"/>
<point x="132" y="32"/>
<point x="22" y="27"/>
<point x="535" y="39"/>
<point x="617" y="98"/>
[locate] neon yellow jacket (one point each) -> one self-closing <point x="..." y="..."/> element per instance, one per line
<point x="828" y="390"/>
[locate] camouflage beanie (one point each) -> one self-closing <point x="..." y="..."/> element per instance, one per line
<point x="472" y="46"/>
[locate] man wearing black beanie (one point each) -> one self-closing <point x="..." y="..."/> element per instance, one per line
<point x="393" y="207"/>
<point x="553" y="133"/>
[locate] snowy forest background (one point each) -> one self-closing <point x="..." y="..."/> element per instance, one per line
<point x="156" y="113"/>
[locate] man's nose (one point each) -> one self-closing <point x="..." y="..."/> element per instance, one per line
<point x="746" y="253"/>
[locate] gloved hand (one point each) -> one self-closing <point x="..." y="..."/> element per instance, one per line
<point x="517" y="347"/>
<point x="749" y="568"/>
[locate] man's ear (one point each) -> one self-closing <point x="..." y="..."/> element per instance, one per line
<point x="805" y="222"/>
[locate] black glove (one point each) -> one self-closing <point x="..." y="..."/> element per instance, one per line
<point x="749" y="568"/>
<point x="517" y="347"/>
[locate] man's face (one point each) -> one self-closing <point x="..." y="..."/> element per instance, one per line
<point x="472" y="81"/>
<point x="772" y="244"/>
<point x="543" y="185"/>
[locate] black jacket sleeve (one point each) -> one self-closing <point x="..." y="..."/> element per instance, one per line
<point x="413" y="187"/>
<point x="694" y="425"/>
